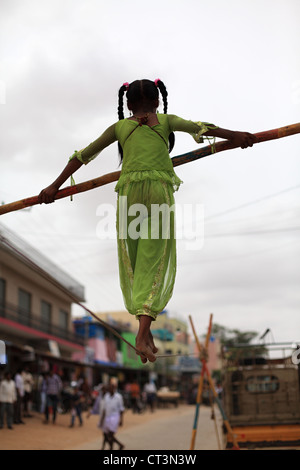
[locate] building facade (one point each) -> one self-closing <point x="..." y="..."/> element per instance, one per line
<point x="35" y="306"/>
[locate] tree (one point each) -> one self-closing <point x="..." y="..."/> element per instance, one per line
<point x="236" y="344"/>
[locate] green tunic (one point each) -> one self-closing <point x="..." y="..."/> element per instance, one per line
<point x="145" y="210"/>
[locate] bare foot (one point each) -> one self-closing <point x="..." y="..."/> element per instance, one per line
<point x="144" y="340"/>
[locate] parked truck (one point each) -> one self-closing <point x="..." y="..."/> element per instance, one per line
<point x="262" y="400"/>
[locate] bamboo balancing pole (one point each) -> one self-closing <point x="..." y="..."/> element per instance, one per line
<point x="179" y="160"/>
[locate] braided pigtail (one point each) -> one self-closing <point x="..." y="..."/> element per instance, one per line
<point x="122" y="90"/>
<point x="162" y="88"/>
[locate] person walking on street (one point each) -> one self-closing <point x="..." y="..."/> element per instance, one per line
<point x="150" y="390"/>
<point x="95" y="410"/>
<point x="54" y="387"/>
<point x="111" y="414"/>
<point x="86" y="392"/>
<point x="28" y="386"/>
<point x="76" y="406"/>
<point x="8" y="397"/>
<point x="42" y="387"/>
<point x="135" y="393"/>
<point x="20" y="395"/>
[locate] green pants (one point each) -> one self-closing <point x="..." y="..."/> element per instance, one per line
<point x="146" y="245"/>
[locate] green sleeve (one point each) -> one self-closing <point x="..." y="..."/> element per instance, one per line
<point x="196" y="129"/>
<point x="92" y="150"/>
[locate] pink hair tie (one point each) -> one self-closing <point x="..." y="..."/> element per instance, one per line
<point x="157" y="80"/>
<point x="126" y="84"/>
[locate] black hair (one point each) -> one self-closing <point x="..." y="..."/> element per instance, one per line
<point x="143" y="91"/>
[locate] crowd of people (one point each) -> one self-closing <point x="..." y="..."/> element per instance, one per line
<point x="18" y="401"/>
<point x="139" y="398"/>
<point x="16" y="397"/>
<point x="20" y="395"/>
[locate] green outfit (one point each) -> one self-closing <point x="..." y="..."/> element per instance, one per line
<point x="146" y="234"/>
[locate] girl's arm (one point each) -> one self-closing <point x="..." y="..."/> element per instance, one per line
<point x="240" y="139"/>
<point x="199" y="129"/>
<point x="47" y="195"/>
<point x="85" y="155"/>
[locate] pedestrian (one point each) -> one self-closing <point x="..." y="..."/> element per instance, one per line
<point x="54" y="387"/>
<point x="87" y="392"/>
<point x="95" y="410"/>
<point x="18" y="411"/>
<point x="42" y="387"/>
<point x="8" y="397"/>
<point x="76" y="406"/>
<point x="28" y="387"/>
<point x="150" y="390"/>
<point x="111" y="415"/>
<point x="135" y="393"/>
<point x="147" y="258"/>
<point x="219" y="391"/>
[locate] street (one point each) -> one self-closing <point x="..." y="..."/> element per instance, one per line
<point x="170" y="430"/>
<point x="167" y="428"/>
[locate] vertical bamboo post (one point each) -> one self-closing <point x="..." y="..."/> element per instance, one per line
<point x="205" y="370"/>
<point x="225" y="419"/>
<point x="200" y="386"/>
<point x="215" y="421"/>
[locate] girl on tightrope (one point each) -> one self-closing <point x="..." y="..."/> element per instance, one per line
<point x="146" y="244"/>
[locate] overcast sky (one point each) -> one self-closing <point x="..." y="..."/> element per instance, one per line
<point x="234" y="63"/>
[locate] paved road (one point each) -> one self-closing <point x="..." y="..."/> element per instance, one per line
<point x="172" y="432"/>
